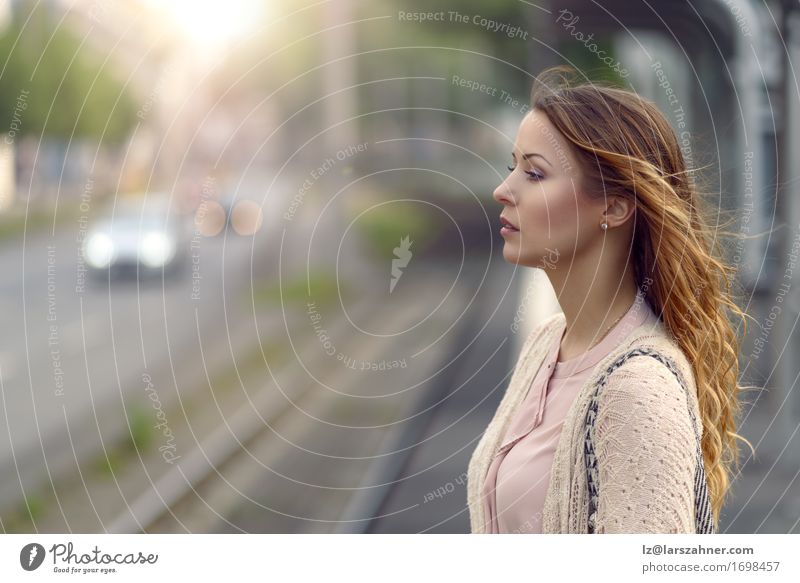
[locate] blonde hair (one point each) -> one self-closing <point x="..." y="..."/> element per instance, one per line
<point x="626" y="147"/>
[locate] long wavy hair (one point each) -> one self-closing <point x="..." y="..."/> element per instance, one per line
<point x="626" y="147"/>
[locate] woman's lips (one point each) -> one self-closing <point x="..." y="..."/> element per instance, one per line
<point x="507" y="228"/>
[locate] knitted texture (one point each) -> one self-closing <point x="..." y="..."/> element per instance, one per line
<point x="645" y="442"/>
<point x="703" y="518"/>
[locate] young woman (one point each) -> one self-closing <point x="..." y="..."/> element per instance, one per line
<point x="620" y="415"/>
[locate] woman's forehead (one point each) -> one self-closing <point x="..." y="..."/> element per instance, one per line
<point x="537" y="134"/>
<point x="535" y="129"/>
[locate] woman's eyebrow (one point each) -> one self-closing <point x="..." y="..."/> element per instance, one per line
<point x="526" y="156"/>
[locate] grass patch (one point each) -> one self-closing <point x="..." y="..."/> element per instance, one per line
<point x="252" y="364"/>
<point x="23" y="518"/>
<point x="140" y="436"/>
<point x="12" y="222"/>
<point x="383" y="227"/>
<point x="319" y="287"/>
<point x="142" y="433"/>
<point x="108" y="464"/>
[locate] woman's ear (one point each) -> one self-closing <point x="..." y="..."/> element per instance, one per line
<point x="618" y="211"/>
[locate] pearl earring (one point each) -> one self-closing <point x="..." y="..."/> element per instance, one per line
<point x="604" y="226"/>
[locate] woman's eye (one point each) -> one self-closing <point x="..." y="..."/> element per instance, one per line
<point x="530" y="173"/>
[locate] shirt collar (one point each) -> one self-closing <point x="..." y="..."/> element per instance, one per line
<point x="638" y="313"/>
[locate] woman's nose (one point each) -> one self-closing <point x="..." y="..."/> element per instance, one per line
<point x="502" y="194"/>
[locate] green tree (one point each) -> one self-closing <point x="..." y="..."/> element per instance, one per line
<point x="57" y="74"/>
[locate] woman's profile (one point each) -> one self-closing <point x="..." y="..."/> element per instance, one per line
<point x="621" y="412"/>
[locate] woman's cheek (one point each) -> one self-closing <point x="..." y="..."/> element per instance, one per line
<point x="562" y="203"/>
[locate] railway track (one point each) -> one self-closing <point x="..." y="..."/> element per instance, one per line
<point x="243" y="454"/>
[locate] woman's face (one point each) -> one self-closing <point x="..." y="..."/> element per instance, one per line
<point x="541" y="198"/>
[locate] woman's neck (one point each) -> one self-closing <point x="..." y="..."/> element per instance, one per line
<point x="590" y="309"/>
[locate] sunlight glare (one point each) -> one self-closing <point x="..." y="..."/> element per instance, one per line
<point x="214" y="22"/>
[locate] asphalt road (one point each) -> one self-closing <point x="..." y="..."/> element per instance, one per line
<point x="71" y="355"/>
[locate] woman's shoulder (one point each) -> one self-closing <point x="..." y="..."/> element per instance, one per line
<point x="651" y="348"/>
<point x="644" y="370"/>
<point x="653" y="369"/>
<point x="658" y="352"/>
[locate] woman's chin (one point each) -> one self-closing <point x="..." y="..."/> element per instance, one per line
<point x="511" y="253"/>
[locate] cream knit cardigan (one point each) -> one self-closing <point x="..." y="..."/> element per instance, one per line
<point x="644" y="441"/>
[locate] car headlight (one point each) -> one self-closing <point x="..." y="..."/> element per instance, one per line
<point x="156" y="249"/>
<point x="99" y="250"/>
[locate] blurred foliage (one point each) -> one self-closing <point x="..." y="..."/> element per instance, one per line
<point x="109" y="463"/>
<point x="23" y="518"/>
<point x="249" y="368"/>
<point x="141" y="435"/>
<point x="16" y="221"/>
<point x="384" y="226"/>
<point x="320" y="287"/>
<point x="69" y="91"/>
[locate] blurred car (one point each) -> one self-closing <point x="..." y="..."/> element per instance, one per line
<point x="138" y="235"/>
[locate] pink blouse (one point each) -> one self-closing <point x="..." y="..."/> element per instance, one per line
<point x="519" y="475"/>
